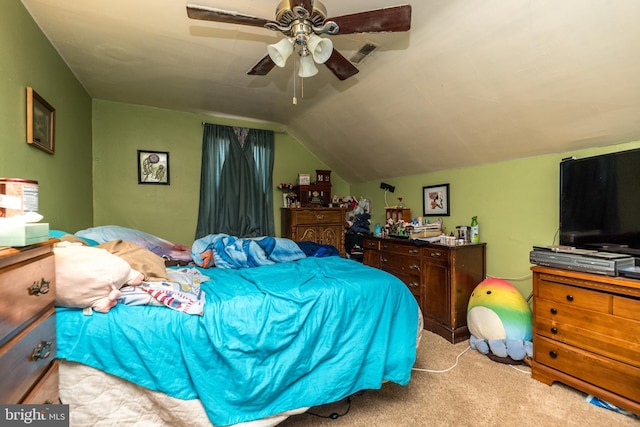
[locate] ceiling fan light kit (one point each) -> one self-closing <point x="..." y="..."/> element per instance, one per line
<point x="280" y="52"/>
<point x="307" y="67"/>
<point x="301" y="22"/>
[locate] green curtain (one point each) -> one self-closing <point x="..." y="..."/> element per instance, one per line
<point x="236" y="182"/>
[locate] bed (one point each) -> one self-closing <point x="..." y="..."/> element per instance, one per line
<point x="270" y="342"/>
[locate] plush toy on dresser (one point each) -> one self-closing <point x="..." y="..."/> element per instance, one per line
<point x="499" y="320"/>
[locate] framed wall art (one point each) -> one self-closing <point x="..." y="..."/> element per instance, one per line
<point x="435" y="199"/>
<point x="153" y="167"/>
<point x="41" y="122"/>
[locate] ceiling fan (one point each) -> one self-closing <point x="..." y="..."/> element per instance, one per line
<point x="302" y="21"/>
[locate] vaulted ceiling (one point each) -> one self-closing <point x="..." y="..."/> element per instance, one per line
<point x="472" y="82"/>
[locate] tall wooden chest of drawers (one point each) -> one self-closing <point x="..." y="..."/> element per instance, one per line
<point x="319" y="225"/>
<point x="27" y="325"/>
<point x="441" y="278"/>
<point x="587" y="334"/>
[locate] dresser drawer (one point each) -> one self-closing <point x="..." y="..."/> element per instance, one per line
<point x="589" y="320"/>
<point x="25" y="359"/>
<point x="626" y="307"/>
<point x="432" y="254"/>
<point x="577" y="297"/>
<point x="400" y="264"/>
<point x="374" y="245"/>
<point x="19" y="303"/>
<point x="399" y="248"/>
<point x="609" y="342"/>
<point x="600" y="371"/>
<point x="312" y="217"/>
<point x="414" y="285"/>
<point x="46" y="390"/>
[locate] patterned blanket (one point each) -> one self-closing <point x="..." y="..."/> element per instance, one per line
<point x="234" y="252"/>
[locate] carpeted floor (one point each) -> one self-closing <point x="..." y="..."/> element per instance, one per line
<point x="477" y="392"/>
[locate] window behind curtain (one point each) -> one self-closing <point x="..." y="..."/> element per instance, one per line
<point x="236" y="182"/>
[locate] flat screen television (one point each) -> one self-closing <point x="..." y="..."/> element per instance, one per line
<point x="600" y="202"/>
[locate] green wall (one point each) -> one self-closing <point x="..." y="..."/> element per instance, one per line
<point x="170" y="211"/>
<point x="517" y="204"/>
<point x="28" y="59"/>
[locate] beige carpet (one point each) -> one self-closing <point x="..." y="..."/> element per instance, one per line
<point x="477" y="392"/>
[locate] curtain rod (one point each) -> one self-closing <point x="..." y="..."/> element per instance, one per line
<point x="275" y="131"/>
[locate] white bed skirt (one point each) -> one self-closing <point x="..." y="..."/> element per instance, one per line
<point x="100" y="399"/>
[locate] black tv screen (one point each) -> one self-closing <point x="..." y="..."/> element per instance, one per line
<point x="600" y="202"/>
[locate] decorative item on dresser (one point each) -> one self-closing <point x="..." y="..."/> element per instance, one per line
<point x="440" y="277"/>
<point x="28" y="368"/>
<point x="586" y="334"/>
<point x="315" y="194"/>
<point x="320" y="225"/>
<point x="398" y="213"/>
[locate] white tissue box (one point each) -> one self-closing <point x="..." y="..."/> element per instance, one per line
<point x="16" y="234"/>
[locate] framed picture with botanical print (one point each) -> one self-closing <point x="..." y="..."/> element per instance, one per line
<point x="153" y="167"/>
<point x="435" y="199"/>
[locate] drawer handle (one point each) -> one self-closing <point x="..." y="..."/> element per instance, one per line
<point x="413" y="251"/>
<point x="414" y="267"/>
<point x="413" y="285"/>
<point x="554" y="311"/>
<point x="554" y="330"/>
<point x="319" y="217"/>
<point x="42" y="351"/>
<point x="553" y="354"/>
<point x="436" y="254"/>
<point x="570" y="298"/>
<point x="383" y="259"/>
<point x="39" y="288"/>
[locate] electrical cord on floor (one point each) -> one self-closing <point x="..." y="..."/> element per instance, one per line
<point x="444" y="370"/>
<point x="334" y="415"/>
<point x="521" y="370"/>
<point x="456" y="364"/>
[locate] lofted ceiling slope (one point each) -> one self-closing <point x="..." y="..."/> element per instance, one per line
<point x="473" y="82"/>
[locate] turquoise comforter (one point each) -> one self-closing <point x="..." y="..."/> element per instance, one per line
<point x="272" y="338"/>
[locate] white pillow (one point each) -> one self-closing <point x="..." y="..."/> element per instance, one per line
<point x="90" y="277"/>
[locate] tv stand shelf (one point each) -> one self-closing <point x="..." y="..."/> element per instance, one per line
<point x="586" y="334"/>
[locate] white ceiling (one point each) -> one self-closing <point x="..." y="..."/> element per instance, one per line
<point x="474" y="81"/>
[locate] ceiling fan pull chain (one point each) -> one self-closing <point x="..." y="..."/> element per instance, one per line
<point x="295" y="100"/>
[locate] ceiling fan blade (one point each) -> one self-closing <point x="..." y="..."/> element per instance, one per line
<point x="389" y="19"/>
<point x="262" y="67"/>
<point x="218" y="15"/>
<point x="340" y="66"/>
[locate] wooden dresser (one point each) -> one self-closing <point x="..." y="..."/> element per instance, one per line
<point x="28" y="325"/>
<point x="320" y="225"/>
<point x="440" y="277"/>
<point x="587" y="334"/>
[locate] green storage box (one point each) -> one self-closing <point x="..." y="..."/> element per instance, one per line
<point x="16" y="234"/>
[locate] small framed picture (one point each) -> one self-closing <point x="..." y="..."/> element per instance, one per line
<point x="41" y="122"/>
<point x="153" y="167"/>
<point x="435" y="199"/>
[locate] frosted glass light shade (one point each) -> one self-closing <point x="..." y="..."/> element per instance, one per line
<point x="279" y="52"/>
<point x="307" y="67"/>
<point x="320" y="48"/>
